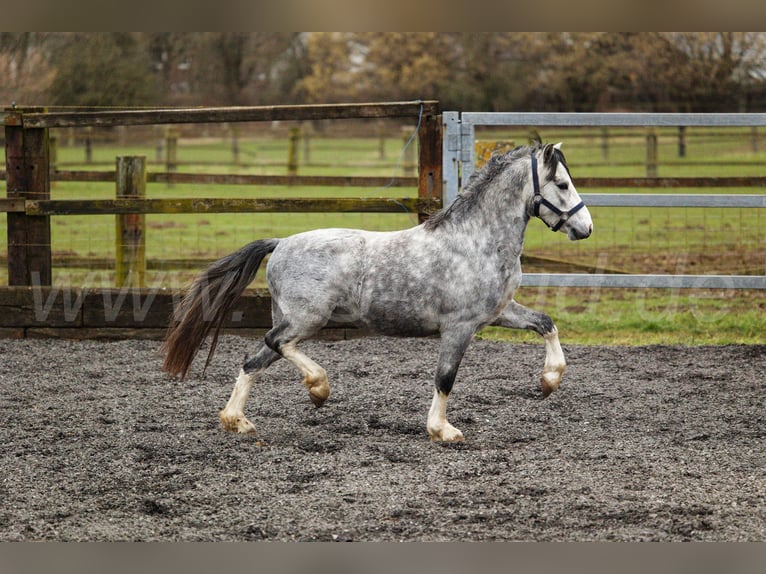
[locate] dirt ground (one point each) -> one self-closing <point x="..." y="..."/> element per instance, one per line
<point x="647" y="443"/>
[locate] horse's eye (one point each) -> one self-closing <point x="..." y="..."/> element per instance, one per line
<point x="563" y="186"/>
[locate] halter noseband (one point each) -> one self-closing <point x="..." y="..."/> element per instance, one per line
<point x="539" y="199"/>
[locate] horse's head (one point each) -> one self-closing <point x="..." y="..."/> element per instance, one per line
<point x="555" y="198"/>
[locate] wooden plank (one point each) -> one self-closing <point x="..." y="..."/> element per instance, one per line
<point x="122" y="333"/>
<point x="231" y="114"/>
<point x="75" y="261"/>
<point x="245" y="179"/>
<point x="12" y="205"/>
<point x="29" y="235"/>
<point x="232" y="205"/>
<point x="82" y="175"/>
<point x="22" y="306"/>
<point x="100" y="334"/>
<point x="152" y="308"/>
<point x="134" y="308"/>
<point x="12" y="333"/>
<point x="91" y="313"/>
<point x="283" y="180"/>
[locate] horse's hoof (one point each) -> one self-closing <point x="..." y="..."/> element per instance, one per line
<point x="318" y="394"/>
<point x="447" y="433"/>
<point x="318" y="401"/>
<point x="236" y="423"/>
<point x="550" y="382"/>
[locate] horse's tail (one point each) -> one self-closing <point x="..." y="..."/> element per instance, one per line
<point x="206" y="303"/>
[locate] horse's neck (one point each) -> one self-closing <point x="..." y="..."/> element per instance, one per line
<point x="496" y="222"/>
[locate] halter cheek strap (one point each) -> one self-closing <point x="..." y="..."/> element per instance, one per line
<point x="540" y="200"/>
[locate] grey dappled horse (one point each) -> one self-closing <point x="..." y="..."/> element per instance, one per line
<point x="449" y="276"/>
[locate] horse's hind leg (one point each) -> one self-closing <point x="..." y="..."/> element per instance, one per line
<point x="284" y="340"/>
<point x="453" y="346"/>
<point x="233" y="416"/>
<point x="314" y="376"/>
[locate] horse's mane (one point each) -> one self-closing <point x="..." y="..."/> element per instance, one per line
<point x="480" y="180"/>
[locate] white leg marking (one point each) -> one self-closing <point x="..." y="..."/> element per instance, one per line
<point x="233" y="414"/>
<point x="437" y="425"/>
<point x="314" y="376"/>
<point x="555" y="364"/>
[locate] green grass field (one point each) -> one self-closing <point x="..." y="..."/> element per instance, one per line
<point x="647" y="240"/>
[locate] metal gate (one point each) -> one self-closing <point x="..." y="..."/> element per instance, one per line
<point x="459" y="134"/>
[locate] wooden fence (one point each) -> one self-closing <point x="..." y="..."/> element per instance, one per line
<point x="31" y="306"/>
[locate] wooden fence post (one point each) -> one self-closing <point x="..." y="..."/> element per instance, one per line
<point x="430" y="182"/>
<point x="130" y="232"/>
<point x="651" y="152"/>
<point x="171" y="151"/>
<point x="234" y="135"/>
<point x="53" y="158"/>
<point x="681" y="141"/>
<point x="292" y="152"/>
<point x="88" y="145"/>
<point x="306" y="145"/>
<point x="53" y="154"/>
<point x="27" y="169"/>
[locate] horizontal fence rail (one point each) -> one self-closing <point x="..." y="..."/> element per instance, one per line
<point x="671" y="200"/>
<point x="229" y="114"/>
<point x="219" y="205"/>
<point x="240" y="179"/>
<point x="578" y="119"/>
<point x="459" y="156"/>
<point x="594" y="280"/>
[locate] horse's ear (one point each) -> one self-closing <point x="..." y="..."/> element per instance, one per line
<point x="558" y="146"/>
<point x="548" y="152"/>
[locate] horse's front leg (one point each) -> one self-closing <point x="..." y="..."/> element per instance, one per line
<point x="516" y="316"/>
<point x="453" y="346"/>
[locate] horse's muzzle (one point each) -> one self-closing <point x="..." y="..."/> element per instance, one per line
<point x="580" y="233"/>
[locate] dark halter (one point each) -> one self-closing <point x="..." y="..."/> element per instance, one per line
<point x="539" y="199"/>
